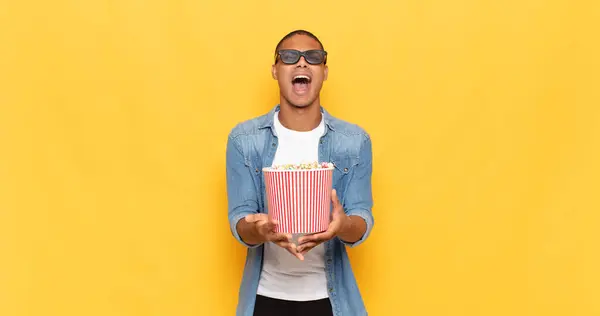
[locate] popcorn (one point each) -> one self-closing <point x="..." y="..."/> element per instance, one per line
<point x="304" y="166"/>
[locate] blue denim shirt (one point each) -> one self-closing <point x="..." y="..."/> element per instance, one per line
<point x="250" y="147"/>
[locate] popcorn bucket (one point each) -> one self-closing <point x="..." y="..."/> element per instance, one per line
<point x="300" y="200"/>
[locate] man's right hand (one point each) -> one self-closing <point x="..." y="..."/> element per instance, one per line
<point x="259" y="228"/>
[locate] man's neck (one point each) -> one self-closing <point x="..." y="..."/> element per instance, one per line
<point x="300" y="119"/>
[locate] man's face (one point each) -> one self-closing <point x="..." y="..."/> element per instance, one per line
<point x="300" y="83"/>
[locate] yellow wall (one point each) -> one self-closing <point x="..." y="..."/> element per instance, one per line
<point x="485" y="122"/>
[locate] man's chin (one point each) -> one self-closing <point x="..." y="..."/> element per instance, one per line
<point x="300" y="103"/>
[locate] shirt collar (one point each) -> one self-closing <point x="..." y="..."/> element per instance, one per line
<point x="268" y="120"/>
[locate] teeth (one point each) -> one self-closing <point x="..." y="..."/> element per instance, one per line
<point x="301" y="77"/>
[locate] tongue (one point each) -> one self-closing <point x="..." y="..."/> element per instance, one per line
<point x="300" y="87"/>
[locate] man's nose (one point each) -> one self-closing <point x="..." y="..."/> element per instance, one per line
<point x="302" y="62"/>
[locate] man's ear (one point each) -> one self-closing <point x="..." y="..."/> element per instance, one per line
<point x="325" y="73"/>
<point x="274" y="72"/>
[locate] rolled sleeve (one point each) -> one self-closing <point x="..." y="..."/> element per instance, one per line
<point x="358" y="199"/>
<point x="368" y="218"/>
<point x="242" y="197"/>
<point x="233" y="220"/>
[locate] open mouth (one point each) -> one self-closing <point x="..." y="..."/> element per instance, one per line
<point x="301" y="84"/>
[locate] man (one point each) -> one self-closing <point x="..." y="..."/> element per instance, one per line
<point x="310" y="275"/>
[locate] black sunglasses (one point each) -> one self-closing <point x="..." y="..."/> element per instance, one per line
<point x="292" y="56"/>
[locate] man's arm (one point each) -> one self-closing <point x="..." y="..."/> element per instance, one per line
<point x="354" y="228"/>
<point x="248" y="232"/>
<point x="351" y="223"/>
<point x="358" y="199"/>
<point x="247" y="225"/>
<point x="242" y="196"/>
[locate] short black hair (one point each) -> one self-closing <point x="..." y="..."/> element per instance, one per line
<point x="298" y="32"/>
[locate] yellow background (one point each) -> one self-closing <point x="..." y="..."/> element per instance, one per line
<point x="486" y="135"/>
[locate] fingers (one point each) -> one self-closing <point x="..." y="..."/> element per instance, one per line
<point x="306" y="238"/>
<point x="265" y="228"/>
<point x="291" y="248"/>
<point x="321" y="237"/>
<point x="317" y="238"/>
<point x="294" y="251"/>
<point x="306" y="247"/>
<point x="263" y="223"/>
<point x="285" y="241"/>
<point x="278" y="237"/>
<point x="255" y="218"/>
<point x="283" y="244"/>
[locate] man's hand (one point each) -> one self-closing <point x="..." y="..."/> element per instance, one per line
<point x="264" y="231"/>
<point x="339" y="221"/>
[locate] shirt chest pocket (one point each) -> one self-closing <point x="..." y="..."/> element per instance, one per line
<point x="344" y="168"/>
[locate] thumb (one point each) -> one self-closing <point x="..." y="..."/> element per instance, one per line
<point x="334" y="198"/>
<point x="272" y="221"/>
<point x="253" y="218"/>
<point x="271" y="224"/>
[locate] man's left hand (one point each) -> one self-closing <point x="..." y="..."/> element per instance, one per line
<point x="339" y="219"/>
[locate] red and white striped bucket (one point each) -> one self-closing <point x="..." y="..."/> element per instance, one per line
<point x="300" y="200"/>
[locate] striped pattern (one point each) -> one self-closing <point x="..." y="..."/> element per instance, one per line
<point x="299" y="200"/>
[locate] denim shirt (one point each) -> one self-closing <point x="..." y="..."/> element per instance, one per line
<point x="250" y="147"/>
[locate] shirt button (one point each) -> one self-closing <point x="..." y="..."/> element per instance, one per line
<point x="256" y="170"/>
<point x="345" y="169"/>
<point x="331" y="289"/>
<point x="273" y="145"/>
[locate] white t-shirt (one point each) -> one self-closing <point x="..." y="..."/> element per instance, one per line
<point x="283" y="275"/>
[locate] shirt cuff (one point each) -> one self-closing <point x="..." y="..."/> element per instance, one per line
<point x="368" y="218"/>
<point x="233" y="222"/>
